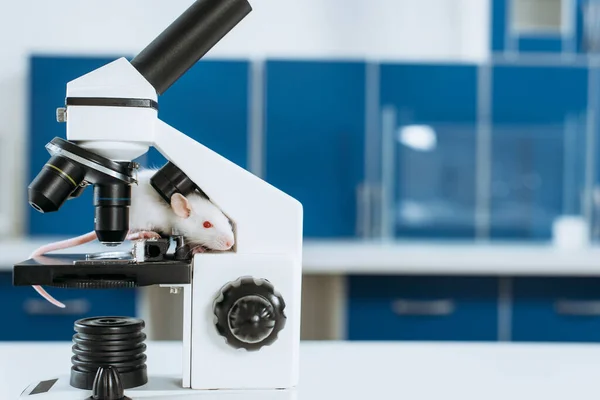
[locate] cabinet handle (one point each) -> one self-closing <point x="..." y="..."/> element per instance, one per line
<point x="581" y="308"/>
<point x="42" y="307"/>
<point x="389" y="125"/>
<point x="423" y="307"/>
<point x="363" y="210"/>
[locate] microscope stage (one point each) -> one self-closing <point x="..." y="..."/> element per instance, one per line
<point x="79" y="271"/>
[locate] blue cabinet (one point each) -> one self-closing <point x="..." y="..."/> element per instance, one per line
<point x="441" y="308"/>
<point x="536" y="27"/>
<point x="497" y="25"/>
<point x="556" y="310"/>
<point x="432" y="92"/>
<point x="435" y="107"/>
<point x="314" y="123"/>
<point x="209" y="104"/>
<point x="538" y="130"/>
<point x="422" y="308"/>
<point x="28" y="317"/>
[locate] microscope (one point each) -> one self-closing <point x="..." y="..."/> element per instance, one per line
<point x="241" y="325"/>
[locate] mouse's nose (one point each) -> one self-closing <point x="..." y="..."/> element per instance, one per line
<point x="227" y="242"/>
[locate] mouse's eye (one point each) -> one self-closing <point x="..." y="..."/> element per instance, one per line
<point x="207" y="224"/>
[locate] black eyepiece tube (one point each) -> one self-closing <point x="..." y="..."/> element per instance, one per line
<point x="188" y="39"/>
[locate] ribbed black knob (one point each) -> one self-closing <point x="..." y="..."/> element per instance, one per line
<point x="249" y="313"/>
<point x="102" y="342"/>
<point x="108" y="385"/>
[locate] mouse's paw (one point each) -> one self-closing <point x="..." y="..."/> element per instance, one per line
<point x="143" y="235"/>
<point x="198" y="250"/>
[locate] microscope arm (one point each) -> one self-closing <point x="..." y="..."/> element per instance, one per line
<point x="267" y="220"/>
<point x="125" y="133"/>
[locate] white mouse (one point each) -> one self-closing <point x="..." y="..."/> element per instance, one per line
<point x="203" y="224"/>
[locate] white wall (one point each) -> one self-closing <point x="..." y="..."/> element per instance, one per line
<point x="454" y="30"/>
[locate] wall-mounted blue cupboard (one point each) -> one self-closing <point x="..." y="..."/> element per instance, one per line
<point x="433" y="175"/>
<point x="314" y="140"/>
<point x="538" y="132"/>
<point x="317" y="124"/>
<point x="543" y="26"/>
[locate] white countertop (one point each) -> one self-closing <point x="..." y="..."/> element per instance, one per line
<point x="457" y="258"/>
<point x="378" y="371"/>
<point x="400" y="257"/>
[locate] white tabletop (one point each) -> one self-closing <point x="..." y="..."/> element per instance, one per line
<point x="377" y="371"/>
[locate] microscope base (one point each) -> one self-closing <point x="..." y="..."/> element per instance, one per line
<point x="157" y="388"/>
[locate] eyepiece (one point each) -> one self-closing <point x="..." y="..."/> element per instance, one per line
<point x="57" y="180"/>
<point x="111" y="219"/>
<point x="187" y="40"/>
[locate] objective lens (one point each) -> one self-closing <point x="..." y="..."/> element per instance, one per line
<point x="55" y="182"/>
<point x="112" y="203"/>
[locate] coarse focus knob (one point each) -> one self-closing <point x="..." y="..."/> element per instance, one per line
<point x="249" y="313"/>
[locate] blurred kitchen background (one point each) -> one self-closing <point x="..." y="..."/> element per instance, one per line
<point x="445" y="152"/>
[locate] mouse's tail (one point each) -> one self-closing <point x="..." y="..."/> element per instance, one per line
<point x="47" y="296"/>
<point x="64" y="244"/>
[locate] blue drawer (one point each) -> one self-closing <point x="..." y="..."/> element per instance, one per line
<point x="28" y="317"/>
<point x="422" y="308"/>
<point x="556" y="309"/>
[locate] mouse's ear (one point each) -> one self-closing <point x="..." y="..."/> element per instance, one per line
<point x="180" y="205"/>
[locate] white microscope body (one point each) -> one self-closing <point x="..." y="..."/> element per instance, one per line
<point x="267" y="223"/>
<point x="267" y="253"/>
